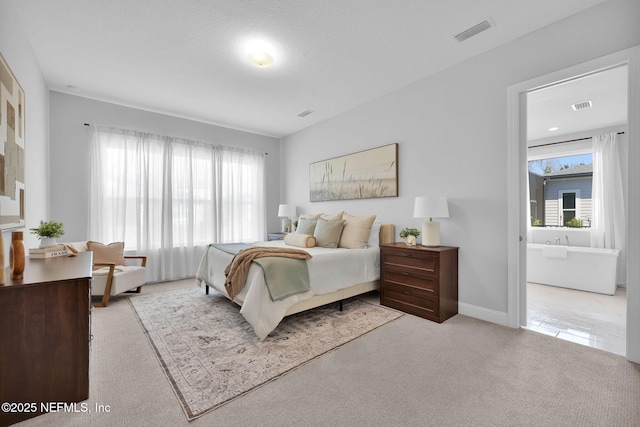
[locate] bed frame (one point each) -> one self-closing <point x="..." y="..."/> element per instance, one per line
<point x="387" y="235"/>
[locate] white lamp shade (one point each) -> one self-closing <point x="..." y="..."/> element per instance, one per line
<point x="287" y="211"/>
<point x="431" y="207"/>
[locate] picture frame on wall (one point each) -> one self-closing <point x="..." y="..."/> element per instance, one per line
<point x="12" y="149"/>
<point x="366" y="174"/>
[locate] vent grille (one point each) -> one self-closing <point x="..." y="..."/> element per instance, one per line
<point x="476" y="29"/>
<point x="305" y="113"/>
<point x="582" y="105"/>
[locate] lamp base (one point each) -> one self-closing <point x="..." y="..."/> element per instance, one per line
<point x="431" y="233"/>
<point x="286" y="225"/>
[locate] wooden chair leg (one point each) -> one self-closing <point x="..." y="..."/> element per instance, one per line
<point x="107" y="289"/>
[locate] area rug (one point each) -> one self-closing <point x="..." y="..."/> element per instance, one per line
<point x="211" y="355"/>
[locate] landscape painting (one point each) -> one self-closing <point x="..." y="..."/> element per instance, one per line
<point x="363" y="175"/>
<point x="11" y="149"/>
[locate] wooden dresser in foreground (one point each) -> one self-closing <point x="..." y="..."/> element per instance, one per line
<point x="45" y="336"/>
<point x="420" y="280"/>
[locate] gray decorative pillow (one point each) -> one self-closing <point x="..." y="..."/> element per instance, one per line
<point x="327" y="233"/>
<point x="306" y="226"/>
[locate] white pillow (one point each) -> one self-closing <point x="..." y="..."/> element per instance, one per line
<point x="374" y="237"/>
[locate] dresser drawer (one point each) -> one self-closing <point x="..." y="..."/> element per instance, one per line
<point x="411" y="276"/>
<point x="412" y="258"/>
<point x="410" y="300"/>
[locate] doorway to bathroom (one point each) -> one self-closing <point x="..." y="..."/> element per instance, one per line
<point x="575" y="291"/>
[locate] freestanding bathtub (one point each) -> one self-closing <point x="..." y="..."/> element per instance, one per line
<point x="573" y="267"/>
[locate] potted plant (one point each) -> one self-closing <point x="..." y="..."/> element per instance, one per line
<point x="409" y="235"/>
<point x="48" y="232"/>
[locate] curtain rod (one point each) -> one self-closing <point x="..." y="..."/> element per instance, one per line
<point x="564" y="142"/>
<point x="87" y="124"/>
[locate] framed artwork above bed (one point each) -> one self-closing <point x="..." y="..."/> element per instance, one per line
<point x="363" y="175"/>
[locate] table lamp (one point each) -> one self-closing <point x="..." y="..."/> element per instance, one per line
<point x="431" y="207"/>
<point x="286" y="212"/>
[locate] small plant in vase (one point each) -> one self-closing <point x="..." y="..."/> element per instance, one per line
<point x="48" y="232"/>
<point x="409" y="235"/>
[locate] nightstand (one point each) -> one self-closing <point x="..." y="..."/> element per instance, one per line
<point x="420" y="280"/>
<point x="275" y="236"/>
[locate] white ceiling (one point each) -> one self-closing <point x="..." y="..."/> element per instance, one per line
<point x="186" y="58"/>
<point x="551" y="106"/>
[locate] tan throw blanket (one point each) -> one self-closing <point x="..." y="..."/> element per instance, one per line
<point x="238" y="269"/>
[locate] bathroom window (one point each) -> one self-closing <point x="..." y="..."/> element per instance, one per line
<point x="560" y="190"/>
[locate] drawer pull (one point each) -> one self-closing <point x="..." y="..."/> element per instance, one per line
<point x="405" y="254"/>
<point x="406" y="273"/>
<point x="406" y="292"/>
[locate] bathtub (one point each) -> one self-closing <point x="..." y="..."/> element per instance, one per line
<point x="573" y="267"/>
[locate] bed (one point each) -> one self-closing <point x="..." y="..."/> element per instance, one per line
<point x="335" y="274"/>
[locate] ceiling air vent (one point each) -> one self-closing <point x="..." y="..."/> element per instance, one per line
<point x="582" y="105"/>
<point x="476" y="29"/>
<point x="305" y="113"/>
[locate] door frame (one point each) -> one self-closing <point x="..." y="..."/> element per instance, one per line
<point x="517" y="180"/>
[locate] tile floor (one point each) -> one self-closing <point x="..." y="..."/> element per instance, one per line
<point x="587" y="318"/>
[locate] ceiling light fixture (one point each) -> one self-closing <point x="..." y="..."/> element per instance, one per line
<point x="260" y="59"/>
<point x="553" y="129"/>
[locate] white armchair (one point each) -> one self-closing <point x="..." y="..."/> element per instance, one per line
<point x="112" y="278"/>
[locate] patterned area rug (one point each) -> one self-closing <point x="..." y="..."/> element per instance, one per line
<point x="211" y="355"/>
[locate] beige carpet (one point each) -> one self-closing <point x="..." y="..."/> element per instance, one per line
<point x="210" y="354"/>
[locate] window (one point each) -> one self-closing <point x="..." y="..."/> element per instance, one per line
<point x="555" y="186"/>
<point x="568" y="206"/>
<point x="170" y="198"/>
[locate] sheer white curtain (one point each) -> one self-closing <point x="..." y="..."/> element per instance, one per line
<point x="169" y="198"/>
<point x="608" y="222"/>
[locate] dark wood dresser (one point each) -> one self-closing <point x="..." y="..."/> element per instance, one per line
<point x="420" y="280"/>
<point x="45" y="336"/>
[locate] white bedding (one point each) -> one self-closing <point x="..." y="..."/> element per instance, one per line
<point x="329" y="270"/>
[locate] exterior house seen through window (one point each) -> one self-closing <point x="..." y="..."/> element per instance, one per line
<point x="560" y="191"/>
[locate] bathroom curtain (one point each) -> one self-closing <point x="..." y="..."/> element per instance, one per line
<point x="608" y="221"/>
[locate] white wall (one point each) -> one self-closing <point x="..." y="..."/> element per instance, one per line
<point x="17" y="52"/>
<point x="452" y="133"/>
<point x="70" y="143"/>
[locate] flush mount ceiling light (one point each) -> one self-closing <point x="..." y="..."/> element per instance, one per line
<point x="259" y="51"/>
<point x="260" y="59"/>
<point x="553" y="129"/>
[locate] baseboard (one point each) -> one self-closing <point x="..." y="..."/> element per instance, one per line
<point x="493" y="316"/>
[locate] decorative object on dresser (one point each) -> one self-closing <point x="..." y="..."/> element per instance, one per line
<point x="49" y="251"/>
<point x="431" y="207"/>
<point x="286" y="212"/>
<point x="409" y="235"/>
<point x="420" y="281"/>
<point x="16" y="256"/>
<point x="45" y="335"/>
<point x="48" y="232"/>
